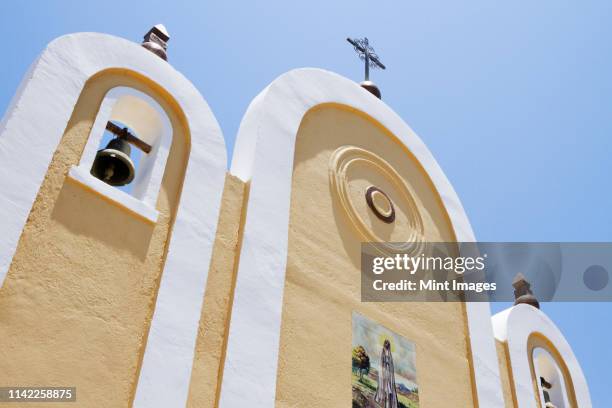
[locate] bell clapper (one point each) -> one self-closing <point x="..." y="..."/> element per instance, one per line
<point x="109" y="171"/>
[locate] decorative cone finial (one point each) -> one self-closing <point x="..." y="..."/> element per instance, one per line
<point x="522" y="292"/>
<point x="156" y="41"/>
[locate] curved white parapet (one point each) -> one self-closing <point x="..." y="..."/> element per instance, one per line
<point x="514" y="326"/>
<point x="263" y="155"/>
<point x="35" y="122"/>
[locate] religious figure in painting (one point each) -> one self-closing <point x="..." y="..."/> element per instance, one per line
<point x="386" y="394"/>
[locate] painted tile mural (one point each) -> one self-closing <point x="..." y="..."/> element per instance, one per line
<point x="383" y="367"/>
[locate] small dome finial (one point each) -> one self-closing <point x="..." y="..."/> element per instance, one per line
<point x="156" y="41"/>
<point x="372" y="88"/>
<point x="522" y="291"/>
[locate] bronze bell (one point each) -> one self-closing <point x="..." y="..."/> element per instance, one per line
<point x="113" y="164"/>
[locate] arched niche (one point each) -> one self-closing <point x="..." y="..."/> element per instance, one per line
<point x="550" y="380"/>
<point x="534" y="347"/>
<point x="142" y="114"/>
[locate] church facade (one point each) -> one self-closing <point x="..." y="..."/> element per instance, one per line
<point x="142" y="272"/>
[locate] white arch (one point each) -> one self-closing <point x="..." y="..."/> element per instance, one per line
<point x="514" y="326"/>
<point x="263" y="155"/>
<point x="34" y="125"/>
<point x="546" y="367"/>
<point x="152" y="125"/>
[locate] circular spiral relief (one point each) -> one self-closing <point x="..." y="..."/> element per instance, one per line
<point x="340" y="164"/>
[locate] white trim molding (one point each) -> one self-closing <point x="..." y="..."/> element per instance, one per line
<point x="263" y="155"/>
<point x="34" y="124"/>
<point x="514" y="327"/>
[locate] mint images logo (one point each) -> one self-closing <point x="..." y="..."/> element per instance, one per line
<point x="484" y="271"/>
<point x="424" y="266"/>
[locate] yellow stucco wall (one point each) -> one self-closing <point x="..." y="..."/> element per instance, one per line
<point x="505" y="371"/>
<point x="78" y="297"/>
<point x="323" y="278"/>
<point x="214" y="322"/>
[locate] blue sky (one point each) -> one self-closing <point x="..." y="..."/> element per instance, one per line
<point x="512" y="98"/>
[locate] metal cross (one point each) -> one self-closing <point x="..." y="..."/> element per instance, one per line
<point x="367" y="54"/>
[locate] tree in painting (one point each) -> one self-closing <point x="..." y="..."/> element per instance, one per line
<point x="361" y="361"/>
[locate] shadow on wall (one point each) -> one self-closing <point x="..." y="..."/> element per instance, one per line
<point x="101" y="221"/>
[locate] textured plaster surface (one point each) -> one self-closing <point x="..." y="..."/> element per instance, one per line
<point x="323" y="281"/>
<point x="83" y="176"/>
<point x="212" y="332"/>
<point x="506" y="375"/>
